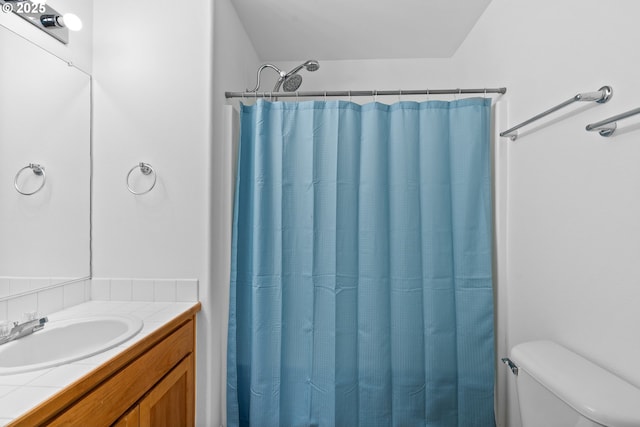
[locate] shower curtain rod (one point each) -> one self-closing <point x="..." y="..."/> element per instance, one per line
<point x="344" y="93"/>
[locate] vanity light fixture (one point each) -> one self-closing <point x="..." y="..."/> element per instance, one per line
<point x="43" y="16"/>
<point x="68" y="20"/>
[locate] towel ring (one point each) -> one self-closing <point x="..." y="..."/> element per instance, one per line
<point x="145" y="169"/>
<point x="37" y="170"/>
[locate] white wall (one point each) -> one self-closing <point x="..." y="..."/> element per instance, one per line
<point x="574" y="197"/>
<point x="159" y="97"/>
<point x="152" y="103"/>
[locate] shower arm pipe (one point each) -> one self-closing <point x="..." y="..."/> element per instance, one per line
<point x="372" y="93"/>
<point x="601" y="96"/>
<point x="281" y="75"/>
<point x="608" y="126"/>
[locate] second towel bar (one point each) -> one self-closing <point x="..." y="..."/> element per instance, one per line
<point x="608" y="126"/>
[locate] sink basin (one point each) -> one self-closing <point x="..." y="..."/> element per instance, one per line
<point x="66" y="341"/>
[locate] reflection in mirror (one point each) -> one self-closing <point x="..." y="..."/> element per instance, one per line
<point x="44" y="168"/>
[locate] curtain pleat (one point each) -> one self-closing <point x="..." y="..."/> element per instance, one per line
<point x="361" y="286"/>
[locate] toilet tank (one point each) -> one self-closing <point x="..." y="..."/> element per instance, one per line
<point x="559" y="388"/>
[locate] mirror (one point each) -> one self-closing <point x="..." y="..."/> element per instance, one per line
<point x="45" y="113"/>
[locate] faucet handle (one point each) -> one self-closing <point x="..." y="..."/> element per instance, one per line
<point x="5" y="327"/>
<point x="27" y="316"/>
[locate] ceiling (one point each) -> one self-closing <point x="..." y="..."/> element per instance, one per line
<point x="291" y="30"/>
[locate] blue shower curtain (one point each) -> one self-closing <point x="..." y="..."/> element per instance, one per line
<point x="361" y="283"/>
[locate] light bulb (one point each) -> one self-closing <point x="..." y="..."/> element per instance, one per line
<point x="71" y="21"/>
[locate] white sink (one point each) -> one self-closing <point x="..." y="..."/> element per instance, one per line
<point x="65" y="341"/>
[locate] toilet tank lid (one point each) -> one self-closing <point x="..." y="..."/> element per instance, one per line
<point x="589" y="389"/>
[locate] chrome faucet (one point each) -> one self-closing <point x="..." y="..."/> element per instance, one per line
<point x="20" y="330"/>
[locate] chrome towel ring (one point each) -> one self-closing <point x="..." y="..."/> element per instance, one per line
<point x="145" y="169"/>
<point x="37" y="170"/>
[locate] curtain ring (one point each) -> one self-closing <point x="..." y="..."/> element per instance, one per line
<point x="428" y="94"/>
<point x="325" y="96"/>
<point x="485" y="92"/>
<point x="349" y="96"/>
<point x="399" y="95"/>
<point x="375" y="96"/>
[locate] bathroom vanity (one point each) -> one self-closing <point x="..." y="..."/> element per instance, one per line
<point x="150" y="382"/>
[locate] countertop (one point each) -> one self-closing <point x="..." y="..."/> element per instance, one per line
<point x="21" y="392"/>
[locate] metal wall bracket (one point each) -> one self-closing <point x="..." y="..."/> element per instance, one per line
<point x="33" y="13"/>
<point x="511" y="365"/>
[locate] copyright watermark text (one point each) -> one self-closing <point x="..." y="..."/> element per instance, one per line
<point x="24" y="7"/>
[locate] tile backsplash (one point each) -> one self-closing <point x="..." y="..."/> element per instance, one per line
<point x="159" y="290"/>
<point x="43" y="300"/>
<point x="54" y="298"/>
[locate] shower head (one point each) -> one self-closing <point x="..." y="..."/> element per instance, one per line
<point x="290" y="81"/>
<point x="312" y="65"/>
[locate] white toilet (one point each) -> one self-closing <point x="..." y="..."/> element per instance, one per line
<point x="558" y="388"/>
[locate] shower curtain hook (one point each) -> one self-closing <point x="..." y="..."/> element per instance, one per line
<point x="349" y="96"/>
<point x="427" y="94"/>
<point x="375" y="96"/>
<point x="399" y="95"/>
<point x="485" y="92"/>
<point x="325" y="96"/>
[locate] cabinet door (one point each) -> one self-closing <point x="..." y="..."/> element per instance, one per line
<point x="130" y="419"/>
<point x="171" y="402"/>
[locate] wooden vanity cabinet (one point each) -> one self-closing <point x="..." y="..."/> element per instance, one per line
<point x="168" y="404"/>
<point x="130" y="419"/>
<point x="151" y="384"/>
